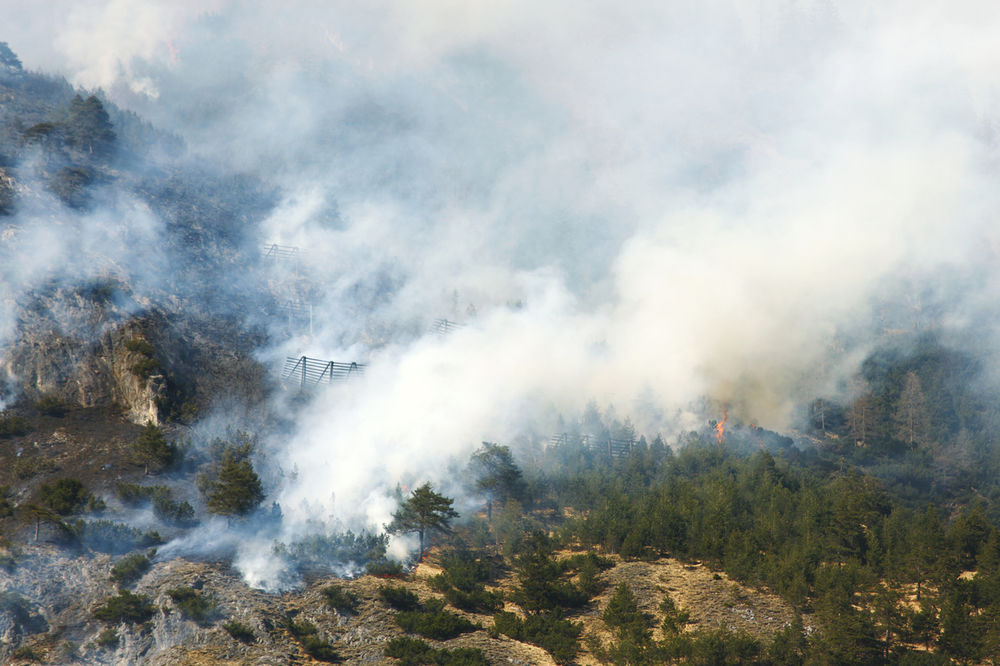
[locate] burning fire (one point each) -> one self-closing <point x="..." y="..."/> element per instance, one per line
<point x="720" y="428"/>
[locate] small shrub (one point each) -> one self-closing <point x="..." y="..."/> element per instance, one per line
<point x="434" y="622"/>
<point x="384" y="568"/>
<point x="398" y="598"/>
<point x="409" y="650"/>
<point x="174" y="513"/>
<point x="192" y="604"/>
<point x="27" y="467"/>
<point x="549" y="631"/>
<point x="6" y="506"/>
<point x="145" y="368"/>
<point x="340" y="599"/>
<point x="26" y="653"/>
<point x="107" y="638"/>
<point x="140" y="346"/>
<point x="413" y="651"/>
<point x="51" y="405"/>
<point x="130" y="568"/>
<point x="11" y="425"/>
<point x="64" y="496"/>
<point x="320" y="650"/>
<point x="306" y="633"/>
<point x="105" y="536"/>
<point x="477" y="601"/>
<point x="134" y="494"/>
<point x="241" y="632"/>
<point x="126" y="607"/>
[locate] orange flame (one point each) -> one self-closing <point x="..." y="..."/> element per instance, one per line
<point x="720" y="428"/>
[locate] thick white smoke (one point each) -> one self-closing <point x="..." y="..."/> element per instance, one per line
<point x="649" y="202"/>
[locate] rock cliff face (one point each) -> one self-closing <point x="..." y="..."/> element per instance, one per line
<point x="97" y="346"/>
<point x="79" y="345"/>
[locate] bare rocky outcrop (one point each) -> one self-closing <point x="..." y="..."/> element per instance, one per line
<point x="96" y="346"/>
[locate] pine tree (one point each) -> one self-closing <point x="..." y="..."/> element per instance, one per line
<point x="152" y="448"/>
<point x="496" y="474"/>
<point x="237" y="489"/>
<point x="423" y="511"/>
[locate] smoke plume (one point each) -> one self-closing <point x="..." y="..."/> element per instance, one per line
<point x="641" y="205"/>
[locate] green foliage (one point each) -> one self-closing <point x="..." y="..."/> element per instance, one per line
<point x="413" y="651"/>
<point x="462" y="582"/>
<point x="307" y="634"/>
<point x="106" y="536"/>
<point x="88" y="127"/>
<point x="126" y="607"/>
<point x="51" y="405"/>
<point x="542" y="584"/>
<point x="319" y="552"/>
<point x="423" y="511"/>
<point x="432" y="621"/>
<point x="108" y="638"/>
<point x="152" y="449"/>
<point x="398" y="598"/>
<point x="171" y="512"/>
<point x="64" y="496"/>
<point x="496" y="475"/>
<point x="145" y="368"/>
<point x="160" y="497"/>
<point x="384" y="568"/>
<point x="339" y="599"/>
<point x="27" y="653"/>
<point x="236" y="490"/>
<point x="6" y="506"/>
<point x="28" y="467"/>
<point x="674" y="619"/>
<point x="13" y="425"/>
<point x="242" y="632"/>
<point x="193" y="605"/>
<point x="549" y="631"/>
<point x="140" y="346"/>
<point x="131" y="568"/>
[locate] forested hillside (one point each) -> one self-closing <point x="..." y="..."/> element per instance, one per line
<point x="438" y="333"/>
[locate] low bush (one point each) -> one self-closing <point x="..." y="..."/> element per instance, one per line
<point x="126" y="607"/>
<point x="306" y="634"/>
<point x="28" y="467"/>
<point x="51" y="405"/>
<point x="27" y="653"/>
<point x="145" y="368"/>
<point x="477" y="601"/>
<point x="340" y="599"/>
<point x="549" y="631"/>
<point x="107" y="638"/>
<point x="171" y="512"/>
<point x="384" y="568"/>
<point x="134" y="494"/>
<point x="434" y="622"/>
<point x="413" y="651"/>
<point x="105" y="536"/>
<point x="64" y="496"/>
<point x="131" y="568"/>
<point x="315" y="553"/>
<point x="398" y="598"/>
<point x="192" y="604"/>
<point x="241" y="632"/>
<point x="6" y="506"/>
<point x="140" y="346"/>
<point x="11" y="425"/>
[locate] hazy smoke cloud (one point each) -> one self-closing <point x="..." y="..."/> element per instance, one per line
<point x="641" y="203"/>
